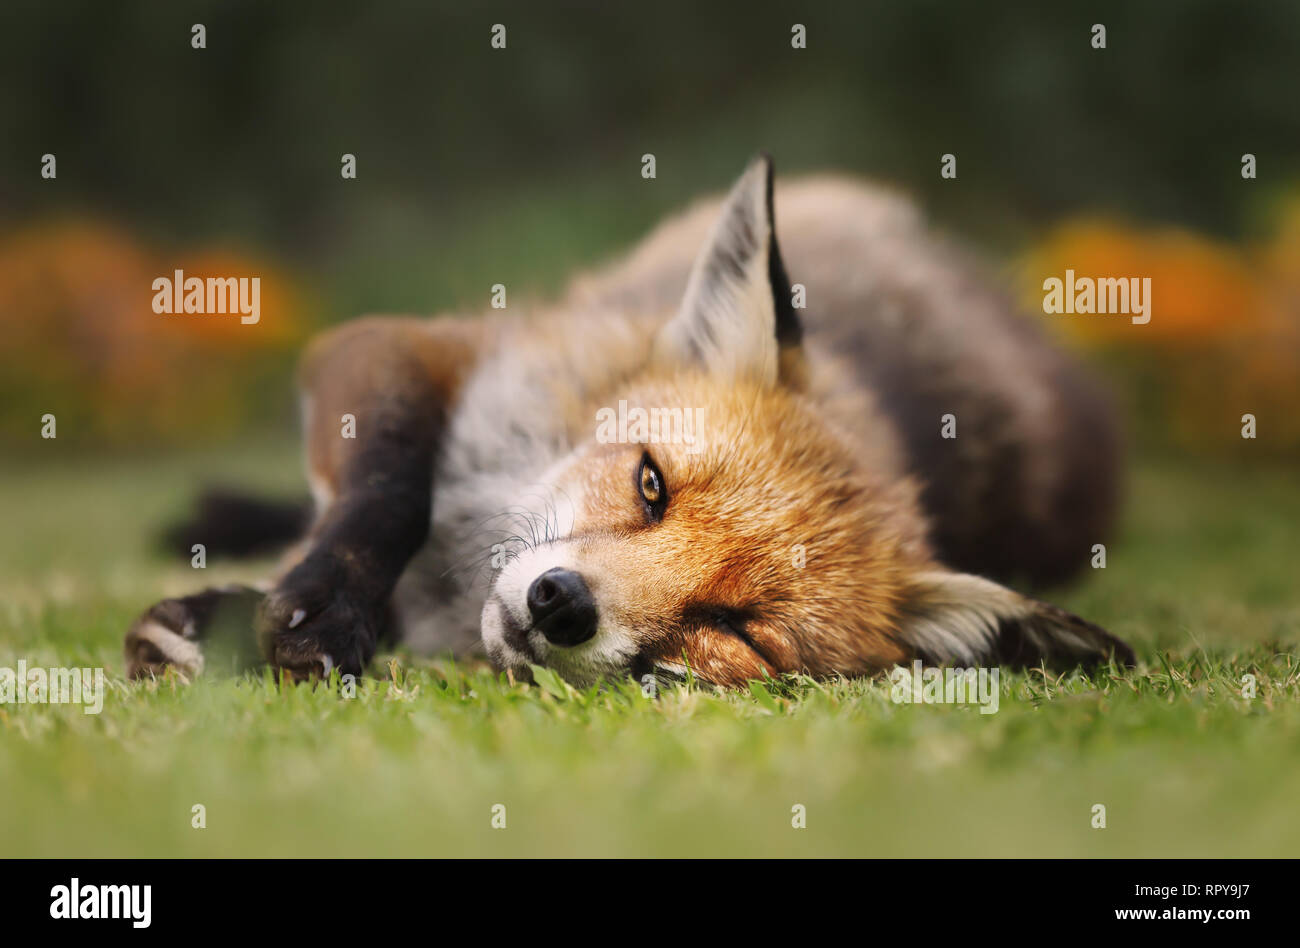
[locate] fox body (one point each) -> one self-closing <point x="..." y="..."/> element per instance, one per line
<point x="677" y="466"/>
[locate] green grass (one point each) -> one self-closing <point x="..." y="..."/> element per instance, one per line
<point x="1202" y="581"/>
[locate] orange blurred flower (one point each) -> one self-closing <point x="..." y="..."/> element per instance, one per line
<point x="1199" y="289"/>
<point x="83" y="341"/>
<point x="1224" y="335"/>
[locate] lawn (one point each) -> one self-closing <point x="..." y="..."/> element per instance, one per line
<point x="1202" y="580"/>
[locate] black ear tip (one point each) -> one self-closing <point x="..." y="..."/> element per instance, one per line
<point x="763" y="161"/>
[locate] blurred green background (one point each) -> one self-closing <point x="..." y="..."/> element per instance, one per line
<point x="478" y="166"/>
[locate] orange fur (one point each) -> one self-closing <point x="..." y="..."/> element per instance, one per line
<point x="770" y="479"/>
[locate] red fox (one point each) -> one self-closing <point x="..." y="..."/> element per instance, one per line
<point x="693" y="463"/>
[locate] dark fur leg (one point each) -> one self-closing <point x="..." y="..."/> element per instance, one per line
<point x="331" y="610"/>
<point x="231" y="522"/>
<point x="395" y="379"/>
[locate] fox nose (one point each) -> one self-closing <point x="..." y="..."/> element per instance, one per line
<point x="562" y="608"/>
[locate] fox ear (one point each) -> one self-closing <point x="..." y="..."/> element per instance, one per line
<point x="737" y="319"/>
<point x="964" y="619"/>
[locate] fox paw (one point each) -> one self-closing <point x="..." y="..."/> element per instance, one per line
<point x="313" y="622"/>
<point x="158" y="640"/>
<point x="169" y="633"/>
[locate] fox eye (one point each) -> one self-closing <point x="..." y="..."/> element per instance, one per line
<point x="650" y="483"/>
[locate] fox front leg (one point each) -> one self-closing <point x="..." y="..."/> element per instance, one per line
<point x="377" y="394"/>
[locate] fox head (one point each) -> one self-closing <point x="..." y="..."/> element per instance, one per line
<point x="720" y="518"/>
